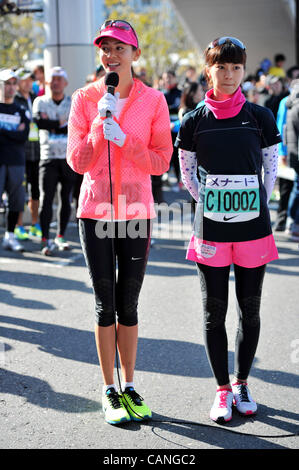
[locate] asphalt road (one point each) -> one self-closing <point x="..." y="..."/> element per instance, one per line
<point x="50" y="381"/>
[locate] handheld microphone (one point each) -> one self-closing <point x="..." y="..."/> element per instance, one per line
<point x="111" y="82"/>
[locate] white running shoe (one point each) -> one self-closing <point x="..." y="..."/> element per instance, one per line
<point x="11" y="243"/>
<point x="221" y="411"/>
<point x="61" y="243"/>
<point x="243" y="400"/>
<point x="47" y="247"/>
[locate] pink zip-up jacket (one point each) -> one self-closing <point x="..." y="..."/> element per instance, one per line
<point x="147" y="151"/>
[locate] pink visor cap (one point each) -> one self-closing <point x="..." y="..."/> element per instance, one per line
<point x="128" y="36"/>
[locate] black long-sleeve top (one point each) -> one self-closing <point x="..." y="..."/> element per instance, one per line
<point x="12" y="140"/>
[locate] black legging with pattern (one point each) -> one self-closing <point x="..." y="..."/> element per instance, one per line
<point x="214" y="287"/>
<point x="131" y="255"/>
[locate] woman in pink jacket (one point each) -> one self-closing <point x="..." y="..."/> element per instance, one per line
<point x="140" y="146"/>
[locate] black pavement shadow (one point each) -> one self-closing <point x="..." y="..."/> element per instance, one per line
<point x="168" y="255"/>
<point x="7" y="297"/>
<point x="154" y="355"/>
<point x="36" y="256"/>
<point x="276" y="377"/>
<point x="229" y="436"/>
<point x="169" y="251"/>
<point x="160" y="356"/>
<point x="280" y="271"/>
<point x="170" y="357"/>
<point x="42" y="281"/>
<point x="290" y="251"/>
<point x="170" y="272"/>
<point x="188" y="359"/>
<point x="278" y="265"/>
<point x="69" y="343"/>
<point x="274" y="417"/>
<point x="39" y="393"/>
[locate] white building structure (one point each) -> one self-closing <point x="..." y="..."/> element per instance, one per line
<point x="266" y="27"/>
<point x="70" y="26"/>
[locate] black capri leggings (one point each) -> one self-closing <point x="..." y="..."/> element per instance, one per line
<point x="214" y="286"/>
<point x="131" y="254"/>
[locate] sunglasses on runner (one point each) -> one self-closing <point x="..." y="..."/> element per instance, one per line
<point x="125" y="31"/>
<point x="121" y="24"/>
<point x="224" y="39"/>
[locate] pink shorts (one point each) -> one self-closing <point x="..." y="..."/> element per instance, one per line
<point x="250" y="254"/>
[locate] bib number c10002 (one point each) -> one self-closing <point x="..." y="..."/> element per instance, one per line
<point x="232" y="198"/>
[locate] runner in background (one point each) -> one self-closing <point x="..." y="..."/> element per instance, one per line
<point x="230" y="141"/>
<point x="51" y="114"/>
<point x="14" y="129"/>
<point x="173" y="97"/>
<point x="24" y="98"/>
<point x="38" y="86"/>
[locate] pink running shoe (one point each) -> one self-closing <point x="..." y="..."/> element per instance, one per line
<point x="244" y="402"/>
<point x="221" y="411"/>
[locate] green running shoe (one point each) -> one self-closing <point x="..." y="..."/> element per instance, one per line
<point x="135" y="405"/>
<point x="35" y="231"/>
<point x="20" y="233"/>
<point x="113" y="408"/>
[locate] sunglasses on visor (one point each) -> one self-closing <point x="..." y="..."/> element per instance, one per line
<point x="224" y="39"/>
<point x="119" y="24"/>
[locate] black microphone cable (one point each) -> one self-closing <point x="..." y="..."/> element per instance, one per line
<point x="152" y="421"/>
<point x="111" y="81"/>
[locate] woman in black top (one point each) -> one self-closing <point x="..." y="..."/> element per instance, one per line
<point x="231" y="143"/>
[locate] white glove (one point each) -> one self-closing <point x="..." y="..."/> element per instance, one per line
<point x="108" y="102"/>
<point x="113" y="132"/>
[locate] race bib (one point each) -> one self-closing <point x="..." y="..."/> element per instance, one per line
<point x="33" y="132"/>
<point x="58" y="145"/>
<point x="232" y="198"/>
<point x="9" y="122"/>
